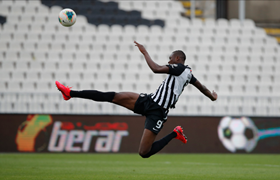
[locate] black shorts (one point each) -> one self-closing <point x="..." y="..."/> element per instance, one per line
<point x="156" y="116"/>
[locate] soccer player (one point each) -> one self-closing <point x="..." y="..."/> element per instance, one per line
<point x="154" y="106"/>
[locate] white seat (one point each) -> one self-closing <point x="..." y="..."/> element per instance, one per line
<point x="235" y="23"/>
<point x="78" y="66"/>
<point x="218" y="49"/>
<point x="240" y="68"/>
<point x="219" y="40"/>
<point x="39" y="56"/>
<point x="18" y="75"/>
<point x="15" y="46"/>
<point x="252" y="79"/>
<point x="43" y="10"/>
<point x="14" y="86"/>
<point x="258" y="41"/>
<point x="207" y="40"/>
<point x="264" y="90"/>
<point x="270" y="50"/>
<point x="224" y="89"/>
<point x="6" y="36"/>
<point x="75" y="76"/>
<point x="19" y="37"/>
<point x="7" y="65"/>
<point x="55" y="9"/>
<point x="193" y="40"/>
<point x="243" y="49"/>
<point x="259" y="32"/>
<point x="84" y="48"/>
<point x="73" y="38"/>
<point x="8" y="27"/>
<point x="28" y="86"/>
<point x="256" y="50"/>
<point x="271" y="41"/>
<point x="52" y="66"/>
<point x="47" y="37"/>
<point x="43" y="46"/>
<point x="32" y="37"/>
<point x="70" y="46"/>
<point x="226" y="78"/>
<point x="130" y="29"/>
<point x="250" y="89"/>
<point x="53" y="56"/>
<point x="196" y="22"/>
<point x="22" y="65"/>
<point x="5" y="75"/>
<point x="46" y="75"/>
<point x="56" y="46"/>
<point x="237" y="89"/>
<point x="43" y="86"/>
<point x="239" y="79"/>
<point x="103" y="29"/>
<point x="87" y="38"/>
<point x="67" y="56"/>
<point x="61" y="76"/>
<point x="205" y="48"/>
<point x="246" y="41"/>
<point x="266" y="79"/>
<point x="142" y="29"/>
<point x="275" y="89"/>
<point x="248" y="23"/>
<point x="221" y="32"/>
<point x="223" y="23"/>
<point x="59" y="37"/>
<point x="116" y="29"/>
<point x="12" y="55"/>
<point x="208" y="31"/>
<point x="267" y="69"/>
<point x="4" y="8"/>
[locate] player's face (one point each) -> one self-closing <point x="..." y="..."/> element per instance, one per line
<point x="172" y="59"/>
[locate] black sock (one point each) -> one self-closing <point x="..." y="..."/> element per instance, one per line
<point x="158" y="145"/>
<point x="94" y="95"/>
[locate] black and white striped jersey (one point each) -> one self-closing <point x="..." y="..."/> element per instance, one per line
<point x="172" y="87"/>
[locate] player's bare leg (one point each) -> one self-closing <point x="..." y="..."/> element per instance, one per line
<point x="126" y="99"/>
<point x="146" y="142"/>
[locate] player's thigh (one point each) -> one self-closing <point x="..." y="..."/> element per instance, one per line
<point x="126" y="99"/>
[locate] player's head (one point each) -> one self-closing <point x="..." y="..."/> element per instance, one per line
<point x="176" y="57"/>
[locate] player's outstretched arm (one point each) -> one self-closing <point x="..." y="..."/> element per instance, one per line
<point x="213" y="96"/>
<point x="154" y="66"/>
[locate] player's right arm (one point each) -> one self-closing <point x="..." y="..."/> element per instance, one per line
<point x="213" y="96"/>
<point x="153" y="66"/>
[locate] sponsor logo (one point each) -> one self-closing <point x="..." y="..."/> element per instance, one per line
<point x="65" y="137"/>
<point x="29" y="130"/>
<point x="69" y="136"/>
<point x="242" y="133"/>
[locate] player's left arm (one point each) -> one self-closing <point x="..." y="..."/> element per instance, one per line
<point x="203" y="89"/>
<point x="153" y="66"/>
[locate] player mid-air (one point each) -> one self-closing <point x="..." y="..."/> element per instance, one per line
<point x="154" y="106"/>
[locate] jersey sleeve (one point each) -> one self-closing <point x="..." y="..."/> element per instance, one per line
<point x="176" y="69"/>
<point x="193" y="79"/>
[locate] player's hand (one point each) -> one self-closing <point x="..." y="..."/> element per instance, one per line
<point x="215" y="96"/>
<point x="140" y="47"/>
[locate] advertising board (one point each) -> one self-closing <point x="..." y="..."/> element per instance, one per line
<point x="122" y="134"/>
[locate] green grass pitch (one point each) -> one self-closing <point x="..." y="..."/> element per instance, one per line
<point x="132" y="166"/>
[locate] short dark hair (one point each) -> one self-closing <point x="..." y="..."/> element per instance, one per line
<point x="181" y="54"/>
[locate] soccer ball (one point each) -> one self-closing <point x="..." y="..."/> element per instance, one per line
<point x="67" y="17"/>
<point x="238" y="134"/>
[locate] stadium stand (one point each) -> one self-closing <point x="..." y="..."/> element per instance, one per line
<point x="236" y="59"/>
